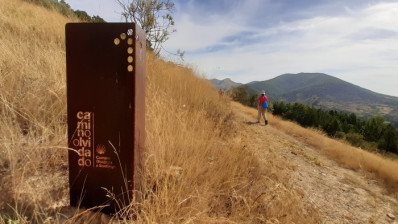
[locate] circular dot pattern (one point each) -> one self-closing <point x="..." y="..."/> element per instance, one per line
<point x="130" y="41"/>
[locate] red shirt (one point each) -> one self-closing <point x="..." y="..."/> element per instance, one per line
<point x="261" y="100"/>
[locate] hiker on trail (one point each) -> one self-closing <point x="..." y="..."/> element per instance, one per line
<point x="262" y="107"/>
<point x="221" y="92"/>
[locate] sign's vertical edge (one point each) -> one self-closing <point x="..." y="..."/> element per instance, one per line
<point x="72" y="202"/>
<point x="139" y="113"/>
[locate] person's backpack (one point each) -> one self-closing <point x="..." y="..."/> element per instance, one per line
<point x="265" y="104"/>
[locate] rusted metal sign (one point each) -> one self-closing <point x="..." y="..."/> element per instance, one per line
<point x="106" y="112"/>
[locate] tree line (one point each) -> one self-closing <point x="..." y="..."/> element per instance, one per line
<point x="371" y="133"/>
<point x="65" y="9"/>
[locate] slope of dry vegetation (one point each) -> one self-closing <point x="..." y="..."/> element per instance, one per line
<point x="197" y="167"/>
<point x="338" y="192"/>
<point x="200" y="166"/>
<point x="343" y="153"/>
<point x="32" y="111"/>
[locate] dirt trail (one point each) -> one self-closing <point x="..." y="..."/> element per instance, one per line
<point x="338" y="194"/>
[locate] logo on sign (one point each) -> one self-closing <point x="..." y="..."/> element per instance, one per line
<point x="100" y="149"/>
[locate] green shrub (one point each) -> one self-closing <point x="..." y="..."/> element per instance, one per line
<point x="355" y="139"/>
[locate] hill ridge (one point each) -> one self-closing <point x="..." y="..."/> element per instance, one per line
<point x="327" y="92"/>
<point x="225" y="84"/>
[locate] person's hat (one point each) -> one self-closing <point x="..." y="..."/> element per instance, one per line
<point x="263" y="92"/>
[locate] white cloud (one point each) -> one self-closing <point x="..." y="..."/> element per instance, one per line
<point x="359" y="47"/>
<point x="258" y="40"/>
<point x="192" y="36"/>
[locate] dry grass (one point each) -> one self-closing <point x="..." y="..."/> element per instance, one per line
<point x="197" y="169"/>
<point x="347" y="155"/>
<point x="32" y="108"/>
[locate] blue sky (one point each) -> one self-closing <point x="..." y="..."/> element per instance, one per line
<point x="255" y="40"/>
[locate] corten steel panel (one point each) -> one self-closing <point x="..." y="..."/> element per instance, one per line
<point x="106" y="112"/>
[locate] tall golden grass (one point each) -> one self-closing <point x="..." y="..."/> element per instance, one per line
<point x="32" y="109"/>
<point x="197" y="169"/>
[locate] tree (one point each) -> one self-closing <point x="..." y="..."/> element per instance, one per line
<point x="388" y="140"/>
<point x="355" y="139"/>
<point x="373" y="129"/>
<point x="240" y="94"/>
<point x="82" y="15"/>
<point x="64" y="8"/>
<point x="253" y="101"/>
<point x="333" y="127"/>
<point x="279" y="108"/>
<point x="154" y="18"/>
<point x="97" y="19"/>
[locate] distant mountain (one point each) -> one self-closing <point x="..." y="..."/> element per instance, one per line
<point x="330" y="93"/>
<point x="225" y="84"/>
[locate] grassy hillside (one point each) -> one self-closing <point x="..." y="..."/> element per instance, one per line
<point x="199" y="165"/>
<point x="33" y="154"/>
<point x="197" y="169"/>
